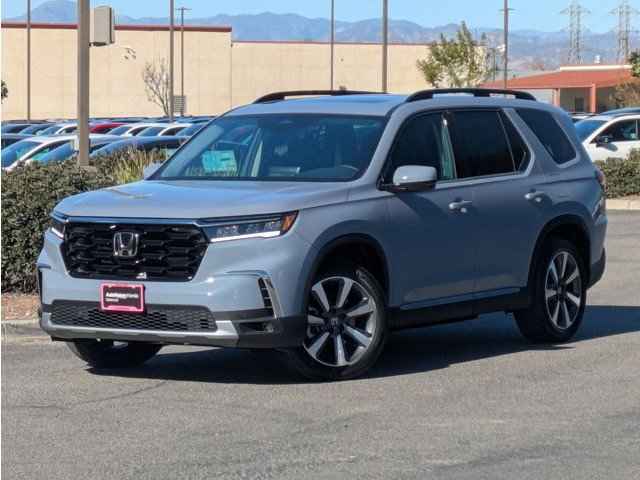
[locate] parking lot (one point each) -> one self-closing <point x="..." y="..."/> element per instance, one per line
<point x="469" y="400"/>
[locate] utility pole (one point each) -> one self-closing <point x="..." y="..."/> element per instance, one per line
<point x="84" y="37"/>
<point x="505" y="78"/>
<point x="624" y="12"/>
<point x="575" y="12"/>
<point x="182" y="10"/>
<point x="28" y="60"/>
<point x="171" y="53"/>
<point x="333" y="38"/>
<point x="385" y="43"/>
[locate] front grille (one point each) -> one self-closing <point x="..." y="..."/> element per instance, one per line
<point x="174" y="318"/>
<point x="165" y="252"/>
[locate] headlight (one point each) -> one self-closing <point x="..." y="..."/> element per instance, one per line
<point x="57" y="225"/>
<point x="251" y="227"/>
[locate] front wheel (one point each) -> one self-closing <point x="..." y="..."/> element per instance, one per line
<point x="111" y="354"/>
<point x="559" y="295"/>
<point x="346" y="326"/>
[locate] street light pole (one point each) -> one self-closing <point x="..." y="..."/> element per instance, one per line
<point x="333" y="38"/>
<point x="505" y="79"/>
<point x="28" y="60"/>
<point x="83" y="82"/>
<point x="171" y="52"/>
<point x="182" y="10"/>
<point x="385" y="42"/>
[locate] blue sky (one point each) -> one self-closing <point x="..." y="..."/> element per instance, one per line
<point x="528" y="14"/>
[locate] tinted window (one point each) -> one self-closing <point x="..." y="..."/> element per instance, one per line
<point x="120" y="130"/>
<point x="309" y="147"/>
<point x="624" y="131"/>
<point x="549" y="133"/>
<point x="150" y="132"/>
<point x="16" y="151"/>
<point x="480" y="144"/>
<point x="519" y="149"/>
<point x="423" y="140"/>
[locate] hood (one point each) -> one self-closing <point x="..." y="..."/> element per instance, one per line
<point x="201" y="199"/>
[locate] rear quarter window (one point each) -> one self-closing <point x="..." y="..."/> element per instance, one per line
<point x="550" y="134"/>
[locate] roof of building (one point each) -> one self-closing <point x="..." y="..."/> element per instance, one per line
<point x="569" y="78"/>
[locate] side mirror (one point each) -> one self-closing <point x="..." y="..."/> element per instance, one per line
<point x="150" y="170"/>
<point x="413" y="178"/>
<point x="603" y="140"/>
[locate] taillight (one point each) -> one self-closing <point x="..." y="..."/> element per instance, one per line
<point x="601" y="206"/>
<point x="602" y="179"/>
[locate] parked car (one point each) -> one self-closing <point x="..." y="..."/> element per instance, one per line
<point x="11" y="138"/>
<point x="319" y="225"/>
<point x="133" y="129"/>
<point x="36" y="128"/>
<point x="67" y="150"/>
<point x="104" y="127"/>
<point x="191" y="130"/>
<point x="622" y="111"/>
<point x="170" y="129"/>
<point x="13" y="127"/>
<point x="60" y="129"/>
<point x="167" y="145"/>
<point x="607" y="136"/>
<point x="576" y="117"/>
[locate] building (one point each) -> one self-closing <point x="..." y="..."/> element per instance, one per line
<point x="219" y="73"/>
<point x="576" y="88"/>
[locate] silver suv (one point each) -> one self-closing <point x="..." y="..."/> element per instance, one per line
<point x="317" y="225"/>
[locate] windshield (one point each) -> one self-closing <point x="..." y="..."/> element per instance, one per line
<point x="298" y="147"/>
<point x="52" y="130"/>
<point x="150" y="131"/>
<point x="120" y="130"/>
<point x="14" y="152"/>
<point x="117" y="146"/>
<point x="587" y="127"/>
<point x="187" y="132"/>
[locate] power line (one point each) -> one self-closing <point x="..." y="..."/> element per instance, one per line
<point x="625" y="12"/>
<point x="576" y="13"/>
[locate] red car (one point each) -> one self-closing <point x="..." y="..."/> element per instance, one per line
<point x="104" y="127"/>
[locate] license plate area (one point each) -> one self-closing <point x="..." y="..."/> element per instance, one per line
<point x="121" y="297"/>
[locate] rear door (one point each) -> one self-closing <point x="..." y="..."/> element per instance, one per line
<point x="508" y="197"/>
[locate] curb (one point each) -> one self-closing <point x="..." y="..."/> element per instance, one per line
<point x="18" y="330"/>
<point x="621" y="204"/>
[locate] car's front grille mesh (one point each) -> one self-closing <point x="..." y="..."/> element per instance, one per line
<point x="174" y="318"/>
<point x="165" y="252"/>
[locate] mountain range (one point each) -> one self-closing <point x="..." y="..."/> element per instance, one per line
<point x="530" y="49"/>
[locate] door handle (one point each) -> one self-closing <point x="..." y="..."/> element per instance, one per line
<point x="535" y="196"/>
<point x="460" y="206"/>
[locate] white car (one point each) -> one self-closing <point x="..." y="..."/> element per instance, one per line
<point x="34" y="148"/>
<point x="60" y="129"/>
<point x="166" y="129"/>
<point x="133" y="129"/>
<point x="610" y="136"/>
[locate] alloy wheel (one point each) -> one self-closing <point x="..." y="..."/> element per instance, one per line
<point x="341" y="321"/>
<point x="563" y="290"/>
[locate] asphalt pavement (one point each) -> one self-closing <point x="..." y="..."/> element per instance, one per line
<point x="462" y="401"/>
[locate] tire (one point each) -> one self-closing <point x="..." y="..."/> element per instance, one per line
<point x="554" y="288"/>
<point x="346" y="332"/>
<point x="108" y="354"/>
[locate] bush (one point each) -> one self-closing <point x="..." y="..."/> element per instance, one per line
<point x="623" y="175"/>
<point x="128" y="166"/>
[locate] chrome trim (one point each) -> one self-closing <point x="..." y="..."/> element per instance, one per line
<point x="264" y="276"/>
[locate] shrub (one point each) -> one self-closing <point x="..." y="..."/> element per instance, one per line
<point x="623" y="175"/>
<point x="127" y="166"/>
<point x="28" y="197"/>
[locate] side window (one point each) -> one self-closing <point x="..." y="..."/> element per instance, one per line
<point x="550" y="134"/>
<point x="424" y="140"/>
<point x="624" y="131"/>
<point x="481" y="145"/>
<point x="519" y="150"/>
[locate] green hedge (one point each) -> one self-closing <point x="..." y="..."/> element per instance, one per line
<point x="30" y="193"/>
<point x="623" y="175"/>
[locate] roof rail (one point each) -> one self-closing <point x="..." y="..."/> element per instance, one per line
<point x="272" y="97"/>
<point x="476" y="92"/>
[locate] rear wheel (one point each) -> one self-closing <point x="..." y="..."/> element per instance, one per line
<point x="346" y="326"/>
<point x="559" y="295"/>
<point x="111" y="354"/>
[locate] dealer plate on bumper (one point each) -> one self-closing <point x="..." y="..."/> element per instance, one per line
<point x="122" y="297"/>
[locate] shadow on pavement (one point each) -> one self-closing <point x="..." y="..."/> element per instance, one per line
<point x="409" y="351"/>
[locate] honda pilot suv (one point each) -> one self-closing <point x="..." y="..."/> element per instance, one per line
<point x="319" y="224"/>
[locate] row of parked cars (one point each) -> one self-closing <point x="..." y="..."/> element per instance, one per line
<point x="44" y="142"/>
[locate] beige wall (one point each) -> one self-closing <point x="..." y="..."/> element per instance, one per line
<point x="219" y="74"/>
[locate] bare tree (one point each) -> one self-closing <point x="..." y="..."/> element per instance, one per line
<point x="156" y="83"/>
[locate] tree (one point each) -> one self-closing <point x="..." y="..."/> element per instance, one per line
<point x="634" y="60"/>
<point x="460" y="62"/>
<point x="5" y="90"/>
<point x="627" y="93"/>
<point x="156" y="83"/>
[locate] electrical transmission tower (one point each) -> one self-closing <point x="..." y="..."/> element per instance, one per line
<point x="625" y="13"/>
<point x="576" y="12"/>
